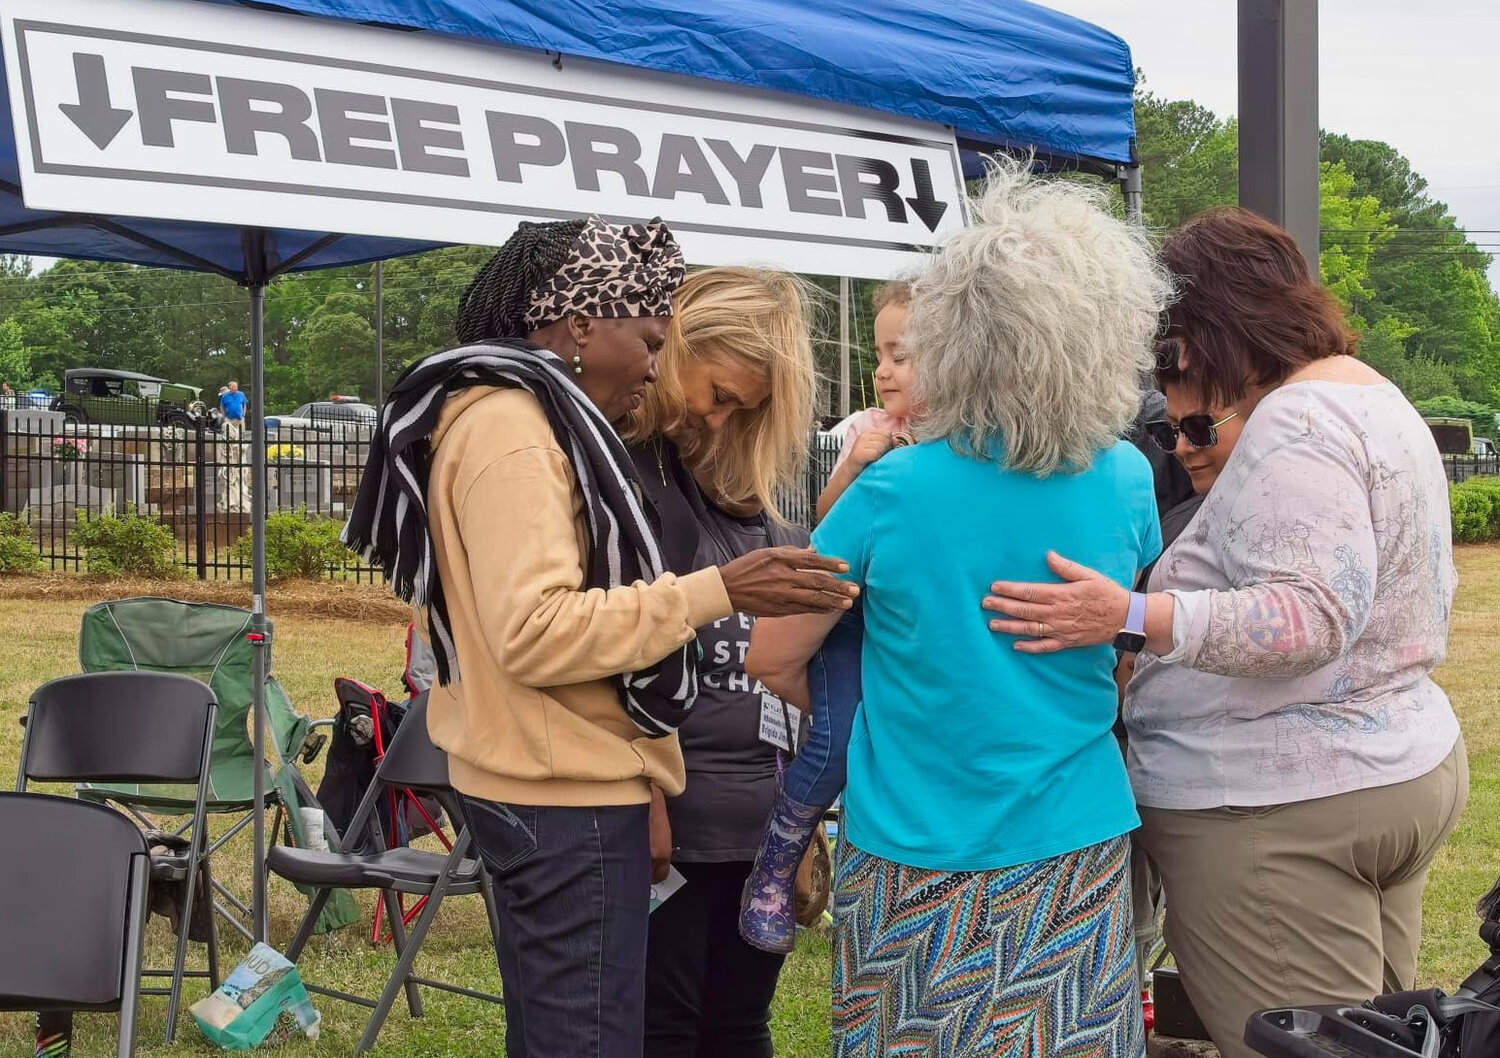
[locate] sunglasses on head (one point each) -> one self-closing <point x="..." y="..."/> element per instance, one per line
<point x="1200" y="430"/>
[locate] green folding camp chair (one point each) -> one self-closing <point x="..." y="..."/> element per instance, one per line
<point x="208" y="642"/>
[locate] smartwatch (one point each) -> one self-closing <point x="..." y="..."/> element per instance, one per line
<point x="1132" y="638"/>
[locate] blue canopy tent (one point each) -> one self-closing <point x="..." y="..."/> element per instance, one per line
<point x="1005" y="74"/>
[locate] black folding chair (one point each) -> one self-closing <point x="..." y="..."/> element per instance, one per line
<point x="72" y="908"/>
<point x="135" y="727"/>
<point x="413" y="762"/>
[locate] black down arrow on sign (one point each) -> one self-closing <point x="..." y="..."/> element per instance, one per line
<point x="925" y="205"/>
<point x="95" y="117"/>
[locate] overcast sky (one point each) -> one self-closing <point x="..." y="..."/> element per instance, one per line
<point x="1421" y="77"/>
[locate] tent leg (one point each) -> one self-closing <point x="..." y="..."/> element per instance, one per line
<point x="379" y="335"/>
<point x="258" y="594"/>
<point x="1129" y="177"/>
<point x="843" y="347"/>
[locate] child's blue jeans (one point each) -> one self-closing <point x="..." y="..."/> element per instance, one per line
<point x="816" y="777"/>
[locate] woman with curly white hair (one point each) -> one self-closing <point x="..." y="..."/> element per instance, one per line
<point x="982" y="894"/>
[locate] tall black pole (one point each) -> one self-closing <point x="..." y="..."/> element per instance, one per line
<point x="258" y="591"/>
<point x="379" y="333"/>
<point x="1278" y="119"/>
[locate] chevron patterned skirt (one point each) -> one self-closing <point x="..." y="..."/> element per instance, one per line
<point x="1033" y="961"/>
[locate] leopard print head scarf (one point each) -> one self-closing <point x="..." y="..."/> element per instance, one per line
<point x="612" y="272"/>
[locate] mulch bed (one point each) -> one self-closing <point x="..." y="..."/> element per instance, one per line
<point x="344" y="600"/>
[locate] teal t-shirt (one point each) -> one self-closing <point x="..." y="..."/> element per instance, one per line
<point x="966" y="754"/>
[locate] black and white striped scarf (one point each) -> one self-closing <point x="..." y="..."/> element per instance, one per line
<point x="389" y="522"/>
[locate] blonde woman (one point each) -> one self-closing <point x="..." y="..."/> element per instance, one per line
<point x="982" y="898"/>
<point x="723" y="428"/>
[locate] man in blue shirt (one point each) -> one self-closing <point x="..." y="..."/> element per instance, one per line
<point x="232" y="404"/>
<point x="234" y="489"/>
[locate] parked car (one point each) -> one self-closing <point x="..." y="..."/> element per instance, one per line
<point x="337" y="411"/>
<point x="129" y="398"/>
<point x="1484" y="448"/>
<point x="327" y="414"/>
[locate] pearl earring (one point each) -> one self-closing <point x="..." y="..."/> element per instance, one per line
<point x="577" y="361"/>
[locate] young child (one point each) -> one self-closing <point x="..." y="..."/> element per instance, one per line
<point x="875" y="431"/>
<point x="816" y="776"/>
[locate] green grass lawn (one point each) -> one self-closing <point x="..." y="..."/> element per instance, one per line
<point x="41" y="642"/>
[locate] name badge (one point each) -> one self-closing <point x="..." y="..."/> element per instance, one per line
<point x="774" y="715"/>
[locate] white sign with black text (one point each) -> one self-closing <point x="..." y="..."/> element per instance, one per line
<point x="775" y="715"/>
<point x="192" y="111"/>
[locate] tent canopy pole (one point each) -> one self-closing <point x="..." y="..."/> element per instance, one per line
<point x="256" y="273"/>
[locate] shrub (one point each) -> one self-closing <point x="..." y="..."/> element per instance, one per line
<point x="298" y="545"/>
<point x="132" y="545"/>
<point x="1471" y="514"/>
<point x="18" y="552"/>
<point x="1488" y="489"/>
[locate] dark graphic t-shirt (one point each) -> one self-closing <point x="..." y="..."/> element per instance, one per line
<point x="731" y="773"/>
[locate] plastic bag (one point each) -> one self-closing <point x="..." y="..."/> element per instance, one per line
<point x="262" y="1002"/>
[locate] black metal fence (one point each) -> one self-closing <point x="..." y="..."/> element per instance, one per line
<point x="799" y="504"/>
<point x="197" y="482"/>
<point x="1462" y="468"/>
<point x="194" y="480"/>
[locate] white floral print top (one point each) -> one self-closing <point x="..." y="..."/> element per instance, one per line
<point x="1313" y="591"/>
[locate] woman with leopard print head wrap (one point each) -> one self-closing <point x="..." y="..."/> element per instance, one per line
<point x="502" y="501"/>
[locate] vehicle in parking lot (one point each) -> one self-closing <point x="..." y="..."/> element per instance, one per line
<point x="337" y="411"/>
<point x="327" y="414"/>
<point x="129" y="398"/>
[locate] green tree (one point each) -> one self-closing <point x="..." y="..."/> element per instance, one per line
<point x="1189" y="158"/>
<point x="1427" y="274"/>
<point x="15" y="358"/>
<point x="1345" y="262"/>
<point x="338" y="346"/>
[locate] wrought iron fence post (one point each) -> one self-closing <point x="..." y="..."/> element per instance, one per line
<point x="814" y="471"/>
<point x="200" y="502"/>
<point x="5" y="462"/>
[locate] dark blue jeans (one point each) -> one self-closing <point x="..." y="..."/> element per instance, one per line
<point x="573" y="887"/>
<point x="816" y="777"/>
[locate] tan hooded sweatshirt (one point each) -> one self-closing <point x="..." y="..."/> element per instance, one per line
<point x="534" y="717"/>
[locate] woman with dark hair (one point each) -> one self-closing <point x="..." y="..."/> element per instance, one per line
<point x="499" y="498"/>
<point x="1296" y="767"/>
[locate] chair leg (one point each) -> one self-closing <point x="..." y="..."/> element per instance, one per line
<point x="179" y="963"/>
<point x="399" y="942"/>
<point x="491" y="906"/>
<point x="184" y="927"/>
<point x="399" y="976"/>
<point x="233" y="901"/>
<point x="309" y="921"/>
<point x="213" y="926"/>
<point x="135" y="939"/>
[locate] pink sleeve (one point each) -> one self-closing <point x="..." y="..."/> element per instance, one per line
<point x="863" y="423"/>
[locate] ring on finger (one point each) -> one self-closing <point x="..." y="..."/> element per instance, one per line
<point x="1040" y="629"/>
